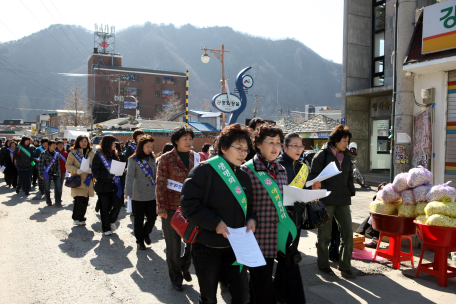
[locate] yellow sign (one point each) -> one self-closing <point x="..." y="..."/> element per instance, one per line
<point x="300" y="179"/>
<point x="439" y="27"/>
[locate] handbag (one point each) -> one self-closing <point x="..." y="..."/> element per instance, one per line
<point x="187" y="230"/>
<point x="73" y="181"/>
<point x="315" y="215"/>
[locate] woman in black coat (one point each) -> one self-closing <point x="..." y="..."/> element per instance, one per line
<point x="23" y="155"/>
<point x="10" y="168"/>
<point x="214" y="208"/>
<point x="108" y="187"/>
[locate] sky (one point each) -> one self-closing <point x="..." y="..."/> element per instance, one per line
<point x="316" y="23"/>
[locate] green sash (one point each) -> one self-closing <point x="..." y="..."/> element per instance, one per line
<point x="286" y="225"/>
<point x="224" y="170"/>
<point x="26" y="153"/>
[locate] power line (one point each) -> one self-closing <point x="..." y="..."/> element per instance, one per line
<point x="69" y="26"/>
<point x="62" y="30"/>
<point x="48" y="31"/>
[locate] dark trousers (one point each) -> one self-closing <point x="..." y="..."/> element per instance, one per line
<point x="288" y="284"/>
<point x="80" y="208"/>
<point x="335" y="241"/>
<point x="366" y="229"/>
<point x="141" y="208"/>
<point x="176" y="263"/>
<point x="209" y="263"/>
<point x="25" y="180"/>
<point x="110" y="208"/>
<point x="261" y="285"/>
<point x="62" y="180"/>
<point x="11" y="178"/>
<point x="34" y="175"/>
<point x="41" y="185"/>
<point x="57" y="191"/>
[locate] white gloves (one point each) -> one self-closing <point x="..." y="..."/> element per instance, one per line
<point x="79" y="172"/>
<point x="89" y="171"/>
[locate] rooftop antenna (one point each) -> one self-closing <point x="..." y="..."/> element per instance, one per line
<point x="104" y="38"/>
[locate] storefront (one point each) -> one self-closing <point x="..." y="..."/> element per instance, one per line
<point x="380" y="144"/>
<point x="314" y="140"/>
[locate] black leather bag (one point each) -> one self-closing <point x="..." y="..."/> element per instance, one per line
<point x="315" y="215"/>
<point x="73" y="181"/>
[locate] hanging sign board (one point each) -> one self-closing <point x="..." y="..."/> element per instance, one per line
<point x="422" y="132"/>
<point x="439" y="27"/>
<point x="221" y="102"/>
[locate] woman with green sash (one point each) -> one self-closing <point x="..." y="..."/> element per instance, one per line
<point x="23" y="155"/>
<point x="276" y="230"/>
<point x="217" y="195"/>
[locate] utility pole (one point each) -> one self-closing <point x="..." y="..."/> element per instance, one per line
<point x="255" y="110"/>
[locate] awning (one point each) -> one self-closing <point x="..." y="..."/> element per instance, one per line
<point x="117" y="132"/>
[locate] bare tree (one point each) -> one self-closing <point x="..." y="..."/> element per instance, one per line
<point x="173" y="106"/>
<point x="79" y="110"/>
<point x="203" y="105"/>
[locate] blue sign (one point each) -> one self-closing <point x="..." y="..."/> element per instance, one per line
<point x="342" y="121"/>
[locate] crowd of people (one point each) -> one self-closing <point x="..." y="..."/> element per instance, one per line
<point x="236" y="181"/>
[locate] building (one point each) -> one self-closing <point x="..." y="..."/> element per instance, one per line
<point x="368" y="80"/>
<point x="209" y="120"/>
<point x="52" y="123"/>
<point x="154" y="89"/>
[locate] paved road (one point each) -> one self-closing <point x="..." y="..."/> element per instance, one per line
<point x="45" y="259"/>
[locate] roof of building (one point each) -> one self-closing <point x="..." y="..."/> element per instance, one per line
<point x="319" y="123"/>
<point x="200" y="113"/>
<point x="414" y="54"/>
<point x="202" y="126"/>
<point x="139" y="70"/>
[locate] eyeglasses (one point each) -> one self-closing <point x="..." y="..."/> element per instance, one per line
<point x="241" y="151"/>
<point x="273" y="144"/>
<point x="296" y="147"/>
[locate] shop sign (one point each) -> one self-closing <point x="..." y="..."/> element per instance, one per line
<point x="315" y="135"/>
<point x="422" y="131"/>
<point x="226" y="105"/>
<point x="401" y="157"/>
<point x="439" y="27"/>
<point x="381" y="107"/>
<point x="129" y="105"/>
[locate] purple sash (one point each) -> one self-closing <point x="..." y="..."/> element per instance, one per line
<point x="51" y="163"/>
<point x="79" y="156"/>
<point x="145" y="167"/>
<point x="116" y="179"/>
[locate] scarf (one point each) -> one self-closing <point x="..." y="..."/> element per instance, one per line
<point x="270" y="166"/>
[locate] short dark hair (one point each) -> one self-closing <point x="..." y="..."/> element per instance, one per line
<point x="106" y="146"/>
<point x="137" y="132"/>
<point x="264" y="131"/>
<point x="12" y="142"/>
<point x="231" y="134"/>
<point x="178" y="132"/>
<point x="24" y="138"/>
<point x="167" y="147"/>
<point x="206" y="147"/>
<point x="64" y="138"/>
<point x="290" y="136"/>
<point x="140" y="149"/>
<point x="253" y="122"/>
<point x="44" y="140"/>
<point x="339" y="132"/>
<point x="78" y="140"/>
<point x="60" y="142"/>
<point x="51" y="142"/>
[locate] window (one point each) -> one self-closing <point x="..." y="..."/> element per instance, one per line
<point x="158" y="107"/>
<point x="378" y="43"/>
<point x="177" y="95"/>
<point x="177" y="82"/>
<point x="106" y="90"/>
<point x="158" y="93"/>
<point x="140" y="92"/>
<point x="100" y="59"/>
<point x="141" y="79"/>
<point x="158" y="80"/>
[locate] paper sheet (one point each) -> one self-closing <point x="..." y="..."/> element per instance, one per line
<point x="245" y="247"/>
<point x="329" y="171"/>
<point x="2" y="169"/>
<point x="117" y="168"/>
<point x="129" y="206"/>
<point x="85" y="165"/>
<point x="292" y="194"/>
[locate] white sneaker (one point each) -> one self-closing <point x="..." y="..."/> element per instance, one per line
<point x="108" y="233"/>
<point x="83" y="223"/>
<point x="113" y="226"/>
<point x="76" y="223"/>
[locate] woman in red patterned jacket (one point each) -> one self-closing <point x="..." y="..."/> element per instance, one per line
<point x="173" y="169"/>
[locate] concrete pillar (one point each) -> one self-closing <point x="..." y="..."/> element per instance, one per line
<point x="404" y="95"/>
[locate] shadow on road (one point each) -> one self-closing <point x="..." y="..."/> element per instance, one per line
<point x="111" y="255"/>
<point x="79" y="242"/>
<point x="46" y="212"/>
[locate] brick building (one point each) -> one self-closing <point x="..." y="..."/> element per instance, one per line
<point x="154" y="89"/>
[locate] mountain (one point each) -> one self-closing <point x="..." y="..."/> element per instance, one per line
<point x="28" y="66"/>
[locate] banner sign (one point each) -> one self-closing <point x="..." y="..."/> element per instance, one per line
<point x="422" y="131"/>
<point x="168" y="80"/>
<point x="129" y="91"/>
<point x="129" y="105"/>
<point x="439" y="27"/>
<point x="130" y="77"/>
<point x="166" y="93"/>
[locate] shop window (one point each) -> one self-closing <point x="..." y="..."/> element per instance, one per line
<point x="378" y="43"/>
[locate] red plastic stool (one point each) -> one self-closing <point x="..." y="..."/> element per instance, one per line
<point x="394" y="252"/>
<point x="440" y="266"/>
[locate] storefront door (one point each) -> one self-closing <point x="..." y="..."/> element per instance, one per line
<point x="380" y="157"/>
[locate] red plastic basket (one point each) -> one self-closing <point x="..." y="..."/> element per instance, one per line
<point x="435" y="235"/>
<point x="393" y="224"/>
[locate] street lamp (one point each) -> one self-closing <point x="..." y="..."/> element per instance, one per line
<point x="220" y="54"/>
<point x="136" y="108"/>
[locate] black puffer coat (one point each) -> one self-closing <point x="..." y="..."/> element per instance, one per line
<point x="341" y="185"/>
<point x="221" y="203"/>
<point x="23" y="162"/>
<point x="104" y="183"/>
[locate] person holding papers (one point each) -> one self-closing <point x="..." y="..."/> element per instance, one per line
<point x="23" y="156"/>
<point x="217" y="195"/>
<point x="10" y="167"/>
<point x="63" y="156"/>
<point x="173" y="169"/>
<point x="81" y="194"/>
<point x="49" y="171"/>
<point x="287" y="280"/>
<point x="338" y="202"/>
<point x="108" y="186"/>
<point x="140" y="188"/>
